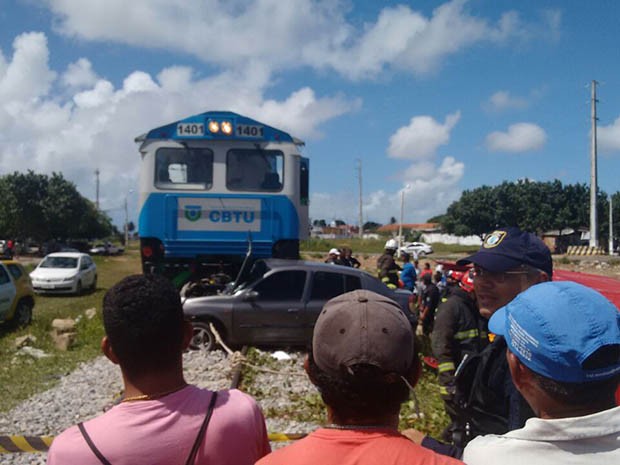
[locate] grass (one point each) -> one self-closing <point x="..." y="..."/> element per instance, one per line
<point x="21" y="376"/>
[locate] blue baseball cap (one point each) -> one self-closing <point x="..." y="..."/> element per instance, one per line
<point x="554" y="327"/>
<point x="508" y="248"/>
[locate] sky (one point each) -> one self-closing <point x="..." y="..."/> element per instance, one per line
<point x="430" y="98"/>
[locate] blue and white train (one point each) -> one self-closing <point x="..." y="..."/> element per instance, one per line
<point x="212" y="187"/>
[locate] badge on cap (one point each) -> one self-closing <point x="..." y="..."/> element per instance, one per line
<point x="494" y="239"/>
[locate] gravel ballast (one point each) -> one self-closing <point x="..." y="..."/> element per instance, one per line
<point x="95" y="385"/>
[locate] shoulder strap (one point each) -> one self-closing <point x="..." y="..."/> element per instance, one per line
<point x="91" y="444"/>
<point x="203" y="429"/>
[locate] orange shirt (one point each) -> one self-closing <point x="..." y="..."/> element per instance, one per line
<point x="379" y="446"/>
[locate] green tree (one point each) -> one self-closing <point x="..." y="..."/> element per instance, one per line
<point x="41" y="207"/>
<point x="533" y="206"/>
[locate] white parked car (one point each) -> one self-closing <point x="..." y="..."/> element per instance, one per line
<point x="418" y="249"/>
<point x="106" y="249"/>
<point x="65" y="272"/>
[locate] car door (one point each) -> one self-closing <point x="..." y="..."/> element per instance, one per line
<point x="326" y="285"/>
<point x="87" y="269"/>
<point x="271" y="312"/>
<point x="7" y="292"/>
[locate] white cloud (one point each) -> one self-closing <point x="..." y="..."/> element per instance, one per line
<point x="520" y="137"/>
<point x="429" y="190"/>
<point x="313" y="33"/>
<point x="79" y="74"/>
<point x="503" y="100"/>
<point x="94" y="124"/>
<point x="27" y="75"/>
<point x="608" y="137"/>
<point x="422" y="137"/>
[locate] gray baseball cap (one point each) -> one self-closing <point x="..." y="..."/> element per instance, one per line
<point x="362" y="327"/>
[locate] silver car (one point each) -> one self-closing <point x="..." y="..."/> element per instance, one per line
<point x="278" y="302"/>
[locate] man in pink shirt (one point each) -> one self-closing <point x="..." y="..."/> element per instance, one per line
<point x="362" y="362"/>
<point x="161" y="419"/>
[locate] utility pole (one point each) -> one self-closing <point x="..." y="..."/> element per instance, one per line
<point x="126" y="224"/>
<point x="611" y="227"/>
<point x="361" y="216"/>
<point x="97" y="189"/>
<point x="400" y="225"/>
<point x="593" y="174"/>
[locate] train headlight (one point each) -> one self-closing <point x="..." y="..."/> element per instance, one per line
<point x="214" y="126"/>
<point x="227" y="127"/>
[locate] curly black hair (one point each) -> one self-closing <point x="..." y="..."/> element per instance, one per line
<point x="365" y="392"/>
<point x="143" y="319"/>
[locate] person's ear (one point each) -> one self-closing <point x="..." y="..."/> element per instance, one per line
<point x="188" y="333"/>
<point x="108" y="351"/>
<point x="307" y="369"/>
<point x="521" y="375"/>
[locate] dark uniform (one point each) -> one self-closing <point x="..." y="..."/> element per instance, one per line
<point x="388" y="270"/>
<point x="459" y="330"/>
<point x="430" y="301"/>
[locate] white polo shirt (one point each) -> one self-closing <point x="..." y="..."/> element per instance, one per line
<point x="591" y="439"/>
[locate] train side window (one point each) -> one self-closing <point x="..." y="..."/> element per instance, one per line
<point x="304" y="181"/>
<point x="254" y="170"/>
<point x="183" y="168"/>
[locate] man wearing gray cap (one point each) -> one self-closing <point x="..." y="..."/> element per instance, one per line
<point x="564" y="356"/>
<point x="363" y="363"/>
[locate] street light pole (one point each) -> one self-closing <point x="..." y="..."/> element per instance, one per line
<point x="127" y="219"/>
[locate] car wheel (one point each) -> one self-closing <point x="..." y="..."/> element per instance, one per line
<point x="421" y="253"/>
<point x="202" y="337"/>
<point x="23" y="315"/>
<point x="78" y="288"/>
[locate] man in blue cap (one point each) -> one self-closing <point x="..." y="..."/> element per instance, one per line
<point x="564" y="357"/>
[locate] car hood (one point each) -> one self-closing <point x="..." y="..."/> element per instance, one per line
<point x="200" y="305"/>
<point x="53" y="273"/>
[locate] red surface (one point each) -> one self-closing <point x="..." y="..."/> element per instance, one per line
<point x="609" y="287"/>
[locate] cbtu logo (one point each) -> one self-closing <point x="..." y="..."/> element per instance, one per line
<point x="231" y="216"/>
<point x="193" y="212"/>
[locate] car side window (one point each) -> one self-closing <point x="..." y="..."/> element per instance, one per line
<point x="15" y="271"/>
<point x="352" y="283"/>
<point x="4" y="276"/>
<point x="285" y="285"/>
<point x="327" y="285"/>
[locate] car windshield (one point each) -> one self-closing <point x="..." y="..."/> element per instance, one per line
<point x="59" y="262"/>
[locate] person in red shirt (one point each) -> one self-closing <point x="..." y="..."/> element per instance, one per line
<point x="363" y="363"/>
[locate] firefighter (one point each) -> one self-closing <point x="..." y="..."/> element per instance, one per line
<point x="459" y="331"/>
<point x="387" y="268"/>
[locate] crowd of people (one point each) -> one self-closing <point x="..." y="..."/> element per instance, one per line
<point x="541" y="391"/>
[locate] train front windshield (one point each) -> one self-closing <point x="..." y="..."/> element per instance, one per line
<point x="183" y="168"/>
<point x="254" y="170"/>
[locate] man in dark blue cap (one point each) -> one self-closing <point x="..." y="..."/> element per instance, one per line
<point x="564" y="357"/>
<point x="508" y="262"/>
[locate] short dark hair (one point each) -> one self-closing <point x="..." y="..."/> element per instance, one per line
<point x="143" y="319"/>
<point x="586" y="394"/>
<point x="366" y="392"/>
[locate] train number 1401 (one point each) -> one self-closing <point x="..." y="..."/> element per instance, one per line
<point x="190" y="129"/>
<point x="247" y="130"/>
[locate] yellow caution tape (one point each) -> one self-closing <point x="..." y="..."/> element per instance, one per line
<point x="16" y="444"/>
